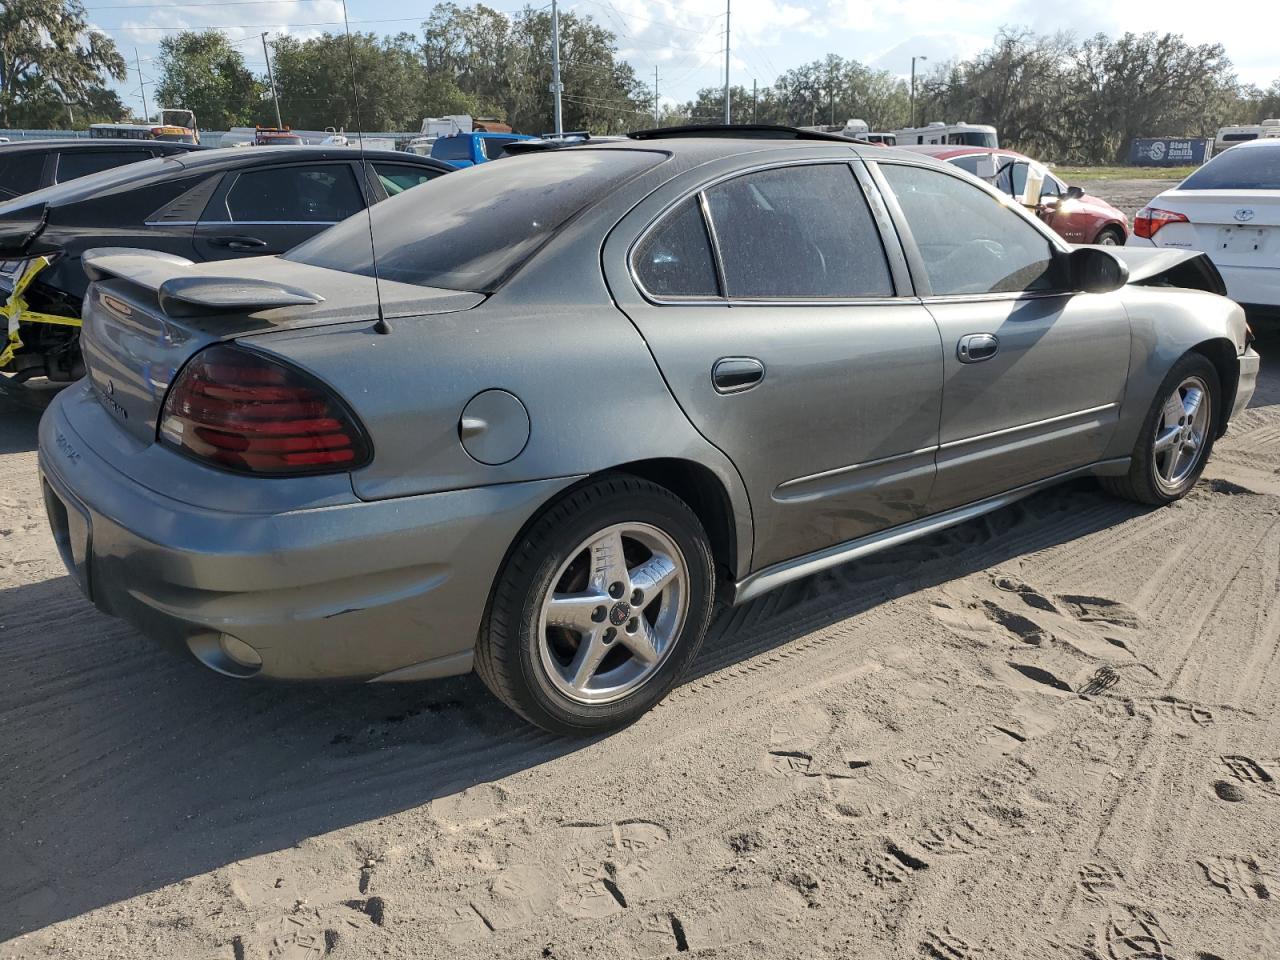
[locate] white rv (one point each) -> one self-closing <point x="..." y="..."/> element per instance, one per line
<point x="1230" y="136"/>
<point x="960" y="134"/>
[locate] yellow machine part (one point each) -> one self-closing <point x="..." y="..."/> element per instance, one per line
<point x="16" y="312"/>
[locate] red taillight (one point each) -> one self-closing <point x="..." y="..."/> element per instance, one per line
<point x="247" y="412"/>
<point x="1150" y="219"/>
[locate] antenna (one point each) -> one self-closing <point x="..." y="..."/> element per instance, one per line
<point x="381" y="326"/>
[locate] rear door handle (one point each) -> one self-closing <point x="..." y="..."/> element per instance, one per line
<point x="237" y="243"/>
<point x="736" y="374"/>
<point x="977" y="346"/>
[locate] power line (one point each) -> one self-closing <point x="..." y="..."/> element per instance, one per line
<point x="255" y="26"/>
<point x="215" y="4"/>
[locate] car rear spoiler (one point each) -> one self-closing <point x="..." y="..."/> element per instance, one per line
<point x="182" y="293"/>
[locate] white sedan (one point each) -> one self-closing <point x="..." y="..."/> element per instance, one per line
<point x="1230" y="209"/>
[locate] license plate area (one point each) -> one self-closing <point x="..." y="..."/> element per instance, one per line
<point x="1244" y="240"/>
<point x="71" y="533"/>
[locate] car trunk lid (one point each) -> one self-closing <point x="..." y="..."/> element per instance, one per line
<point x="146" y="314"/>
<point x="1238" y="228"/>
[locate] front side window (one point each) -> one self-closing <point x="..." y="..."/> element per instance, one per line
<point x="675" y="259"/>
<point x="1052" y="187"/>
<point x="798" y="232"/>
<point x="322" y="193"/>
<point x="970" y="242"/>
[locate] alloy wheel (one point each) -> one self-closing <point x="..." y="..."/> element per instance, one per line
<point x="1181" y="432"/>
<point x="614" y="612"/>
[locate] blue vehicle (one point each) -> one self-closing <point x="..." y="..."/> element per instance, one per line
<point x="467" y="149"/>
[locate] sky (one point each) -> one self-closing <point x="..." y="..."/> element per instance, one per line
<point x="685" y="40"/>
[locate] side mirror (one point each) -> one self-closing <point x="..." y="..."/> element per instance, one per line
<point x="1095" y="270"/>
<point x="1074" y="193"/>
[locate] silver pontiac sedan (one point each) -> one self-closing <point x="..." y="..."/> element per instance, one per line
<point x="534" y="418"/>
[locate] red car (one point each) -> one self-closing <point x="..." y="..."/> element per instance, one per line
<point x="1074" y="214"/>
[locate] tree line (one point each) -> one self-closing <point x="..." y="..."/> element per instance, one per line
<point x="1054" y="96"/>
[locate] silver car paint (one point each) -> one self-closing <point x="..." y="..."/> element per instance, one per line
<point x="388" y="570"/>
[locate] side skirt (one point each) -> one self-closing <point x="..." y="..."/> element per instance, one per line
<point x="762" y="581"/>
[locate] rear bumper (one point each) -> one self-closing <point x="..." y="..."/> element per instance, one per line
<point x="353" y="591"/>
<point x="1247" y="381"/>
<point x="1252" y="285"/>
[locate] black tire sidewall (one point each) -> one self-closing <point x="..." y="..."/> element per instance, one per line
<point x="600" y="505"/>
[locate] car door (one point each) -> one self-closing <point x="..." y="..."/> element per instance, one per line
<point x="267" y="210"/>
<point x="1034" y="373"/>
<point x="791" y="341"/>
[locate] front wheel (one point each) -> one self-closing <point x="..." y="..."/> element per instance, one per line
<point x="599" y="608"/>
<point x="1176" y="437"/>
<point x="1110" y="237"/>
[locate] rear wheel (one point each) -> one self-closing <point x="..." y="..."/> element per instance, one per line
<point x="599" y="608"/>
<point x="1177" y="435"/>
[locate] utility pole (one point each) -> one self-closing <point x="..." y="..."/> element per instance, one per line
<point x="657" y="121"/>
<point x="142" y="86"/>
<point x="727" y="117"/>
<point x="755" y="101"/>
<point x="557" y="87"/>
<point x="271" y="77"/>
<point x="913" y="88"/>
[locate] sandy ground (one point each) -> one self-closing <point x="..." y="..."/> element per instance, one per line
<point x="1049" y="734"/>
<point x="1130" y="196"/>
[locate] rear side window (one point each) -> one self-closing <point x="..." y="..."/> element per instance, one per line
<point x="321" y="193"/>
<point x="20" y="173"/>
<point x="470" y="231"/>
<point x="81" y="163"/>
<point x="398" y="177"/>
<point x="970" y="242"/>
<point x="798" y="232"/>
<point x="1240" y="168"/>
<point x="452" y="148"/>
<point x="675" y="259"/>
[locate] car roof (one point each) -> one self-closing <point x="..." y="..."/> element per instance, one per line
<point x="1254" y="144"/>
<point x="145" y="173"/>
<point x="95" y="143"/>
<point x="947" y="151"/>
<point x="697" y="149"/>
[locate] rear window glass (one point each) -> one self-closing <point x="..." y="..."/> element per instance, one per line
<point x="81" y="163"/>
<point x="470" y="230"/>
<point x="452" y="148"/>
<point x="1240" y="168"/>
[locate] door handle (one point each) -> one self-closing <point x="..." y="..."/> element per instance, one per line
<point x="237" y="243"/>
<point x="977" y="346"/>
<point x="736" y="374"/>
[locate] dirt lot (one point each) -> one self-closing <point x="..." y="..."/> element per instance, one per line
<point x="1130" y="196"/>
<point x="1051" y="733"/>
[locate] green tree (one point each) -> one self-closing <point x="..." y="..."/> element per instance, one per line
<point x="322" y="81"/>
<point x="47" y="50"/>
<point x="204" y="73"/>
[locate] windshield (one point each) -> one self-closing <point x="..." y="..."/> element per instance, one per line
<point x="1240" y="168"/>
<point x="973" y="138"/>
<point x="470" y="230"/>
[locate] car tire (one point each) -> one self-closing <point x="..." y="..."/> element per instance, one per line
<point x="599" y="607"/>
<point x="1182" y="423"/>
<point x="1110" y="237"/>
